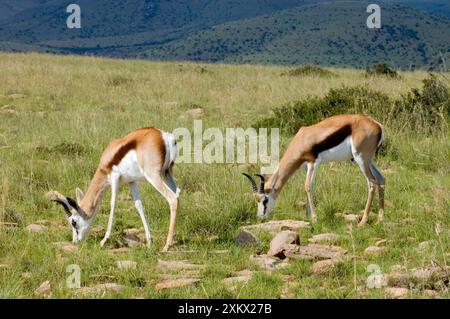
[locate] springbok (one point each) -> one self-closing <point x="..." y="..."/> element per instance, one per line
<point x="338" y="138"/>
<point x="147" y="154"/>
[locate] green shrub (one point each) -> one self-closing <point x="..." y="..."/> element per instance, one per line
<point x="308" y="70"/>
<point x="290" y="117"/>
<point x="382" y="69"/>
<point x="427" y="110"/>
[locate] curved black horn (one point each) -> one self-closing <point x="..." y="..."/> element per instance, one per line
<point x="263" y="181"/>
<point x="63" y="204"/>
<point x="255" y="189"/>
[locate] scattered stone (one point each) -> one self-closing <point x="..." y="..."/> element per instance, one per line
<point x="397" y="293"/>
<point x="377" y="280"/>
<point x="315" y="251"/>
<point x="240" y="277"/>
<point x="375" y="251"/>
<point x="351" y="218"/>
<point x="246" y="238"/>
<point x="120" y="250"/>
<point x="6" y="110"/>
<point x="173" y="265"/>
<point x="176" y="283"/>
<point x="132" y="240"/>
<point x="35" y="228"/>
<point x="100" y="288"/>
<point x="381" y="242"/>
<point x="195" y="113"/>
<point x="325" y="266"/>
<point x="126" y="264"/>
<point x="276" y="226"/>
<point x="279" y="242"/>
<point x="269" y="263"/>
<point x="43" y="222"/>
<point x="398" y="279"/>
<point x="328" y="238"/>
<point x="425" y="245"/>
<point x="27" y="275"/>
<point x="398" y="268"/>
<point x="430" y="293"/>
<point x="44" y="290"/>
<point x="66" y="247"/>
<point x="97" y="230"/>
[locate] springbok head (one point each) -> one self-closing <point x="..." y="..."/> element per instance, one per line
<point x="265" y="202"/>
<point x="76" y="216"/>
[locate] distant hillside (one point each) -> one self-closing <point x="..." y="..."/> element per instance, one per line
<point x="333" y="34"/>
<point x="414" y="34"/>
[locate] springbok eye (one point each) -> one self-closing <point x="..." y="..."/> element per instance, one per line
<point x="74" y="224"/>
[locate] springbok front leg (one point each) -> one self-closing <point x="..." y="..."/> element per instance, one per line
<point x="308" y="188"/>
<point x="172" y="199"/>
<point x="140" y="208"/>
<point x="114" y="179"/>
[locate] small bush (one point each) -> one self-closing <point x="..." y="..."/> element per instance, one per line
<point x="65" y="148"/>
<point x="118" y="80"/>
<point x="290" y="117"/>
<point x="382" y="69"/>
<point x="308" y="70"/>
<point x="426" y="110"/>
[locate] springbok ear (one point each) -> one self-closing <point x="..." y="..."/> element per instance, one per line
<point x="80" y="194"/>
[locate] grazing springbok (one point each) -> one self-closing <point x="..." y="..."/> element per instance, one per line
<point x="147" y="154"/>
<point x="338" y="138"/>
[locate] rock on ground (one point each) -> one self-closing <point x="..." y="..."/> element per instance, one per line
<point x="396" y="293"/>
<point x="126" y="264"/>
<point x="174" y="265"/>
<point x="100" y="288"/>
<point x="239" y="278"/>
<point x="176" y="283"/>
<point x="315" y="251"/>
<point x="44" y="290"/>
<point x="279" y="242"/>
<point x="375" y="251"/>
<point x="66" y="247"/>
<point x="351" y="218"/>
<point x="132" y="240"/>
<point x="325" y="266"/>
<point x="195" y="113"/>
<point x="35" y="228"/>
<point x="276" y="226"/>
<point x="269" y="263"/>
<point x="328" y="238"/>
<point x="246" y="238"/>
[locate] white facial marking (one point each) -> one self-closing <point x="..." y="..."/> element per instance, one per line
<point x="265" y="206"/>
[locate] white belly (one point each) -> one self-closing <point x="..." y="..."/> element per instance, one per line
<point x="129" y="169"/>
<point x="341" y="152"/>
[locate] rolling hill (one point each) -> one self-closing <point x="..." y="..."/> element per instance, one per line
<point x="415" y="34"/>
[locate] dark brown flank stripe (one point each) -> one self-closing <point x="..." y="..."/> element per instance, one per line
<point x="332" y="140"/>
<point x="123" y="150"/>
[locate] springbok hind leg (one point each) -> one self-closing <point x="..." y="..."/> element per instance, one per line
<point x="380" y="181"/>
<point x="172" y="199"/>
<point x="364" y="165"/>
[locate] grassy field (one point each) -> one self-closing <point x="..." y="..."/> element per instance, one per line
<point x="58" y="113"/>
